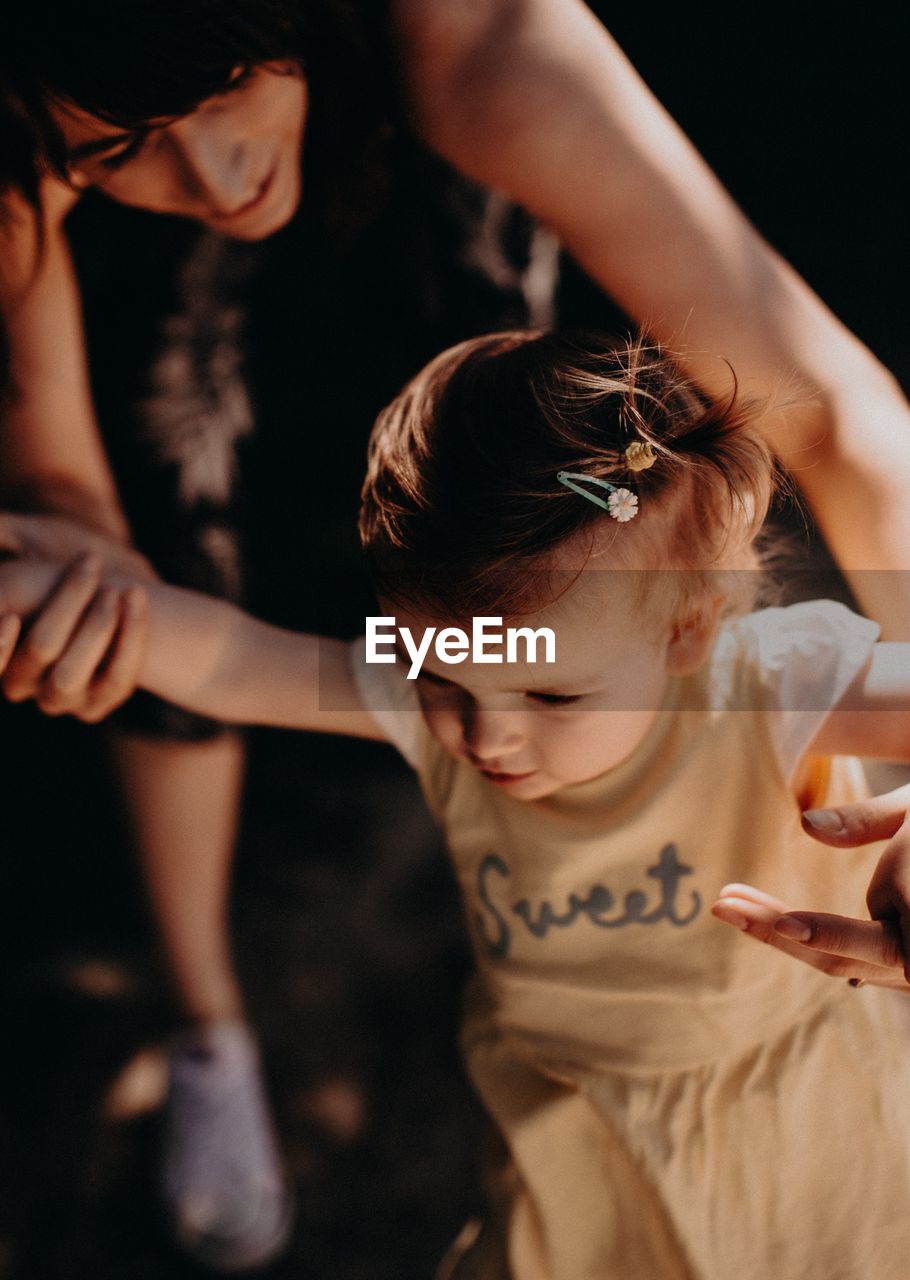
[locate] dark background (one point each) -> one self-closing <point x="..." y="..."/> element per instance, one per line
<point x="347" y="932"/>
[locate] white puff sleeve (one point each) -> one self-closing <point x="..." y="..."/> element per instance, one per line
<point x="807" y="656"/>
<point x="390" y="698"/>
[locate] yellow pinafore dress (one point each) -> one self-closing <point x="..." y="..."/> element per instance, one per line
<point x="674" y="1100"/>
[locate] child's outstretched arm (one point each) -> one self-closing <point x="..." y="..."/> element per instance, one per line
<point x="872" y="719"/>
<point x="202" y="653"/>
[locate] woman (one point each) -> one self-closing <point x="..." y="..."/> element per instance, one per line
<point x="174" y="110"/>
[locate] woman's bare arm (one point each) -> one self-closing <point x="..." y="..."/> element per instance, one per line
<point x="535" y="99"/>
<point x="52" y="459"/>
<point x="52" y="455"/>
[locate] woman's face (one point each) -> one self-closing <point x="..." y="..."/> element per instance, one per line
<point x="232" y="164"/>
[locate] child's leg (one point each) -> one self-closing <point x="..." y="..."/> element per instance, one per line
<point x="222" y="1174"/>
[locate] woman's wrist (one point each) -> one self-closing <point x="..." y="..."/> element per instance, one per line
<point x="52" y="497"/>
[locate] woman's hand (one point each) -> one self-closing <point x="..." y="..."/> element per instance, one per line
<point x="875" y="950"/>
<point x="81" y="649"/>
<point x="62" y="539"/>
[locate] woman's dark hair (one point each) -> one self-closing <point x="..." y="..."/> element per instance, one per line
<point x="134" y="61"/>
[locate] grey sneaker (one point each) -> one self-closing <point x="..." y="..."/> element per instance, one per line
<point x="223" y="1181"/>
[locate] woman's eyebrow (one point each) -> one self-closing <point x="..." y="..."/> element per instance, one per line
<point x="99" y="145"/>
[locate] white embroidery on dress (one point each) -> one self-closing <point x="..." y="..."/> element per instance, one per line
<point x="537" y="281"/>
<point x="197" y="407"/>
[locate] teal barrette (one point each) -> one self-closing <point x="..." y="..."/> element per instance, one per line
<point x="621" y="504"/>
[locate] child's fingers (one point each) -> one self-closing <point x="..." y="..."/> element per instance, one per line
<point x="49" y="633"/>
<point x="66" y="686"/>
<point x="118" y="678"/>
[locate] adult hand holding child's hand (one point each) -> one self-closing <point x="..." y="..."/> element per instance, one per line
<point x="66" y="640"/>
<point x="875" y="950"/>
<point x="62" y="539"/>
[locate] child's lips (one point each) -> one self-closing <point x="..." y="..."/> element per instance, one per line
<point x="505" y="779"/>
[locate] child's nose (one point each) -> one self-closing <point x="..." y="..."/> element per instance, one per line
<point x="491" y="735"/>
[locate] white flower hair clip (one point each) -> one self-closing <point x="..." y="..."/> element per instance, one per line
<point x="621" y="504"/>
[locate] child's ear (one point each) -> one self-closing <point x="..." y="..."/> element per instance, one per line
<point x="692" y="637"/>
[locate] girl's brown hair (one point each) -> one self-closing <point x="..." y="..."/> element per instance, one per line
<point x="462" y="507"/>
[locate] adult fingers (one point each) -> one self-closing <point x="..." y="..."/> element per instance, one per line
<point x="49" y="633"/>
<point x="875" y="942"/>
<point x="54" y="537"/>
<point x="756" y="914"/>
<point x="757" y="897"/>
<point x="878" y="818"/>
<point x="66" y="687"/>
<point x="851" y="824"/>
<point x="118" y="678"/>
<point x="836" y="945"/>
<point x="767" y="918"/>
<point x="10" y="540"/>
<point x="888" y="897"/>
<point x="10" y="628"/>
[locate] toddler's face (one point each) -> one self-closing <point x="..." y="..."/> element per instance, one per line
<point x="532" y="729"/>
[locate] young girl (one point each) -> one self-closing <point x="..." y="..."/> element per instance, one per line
<point x="670" y="1101"/>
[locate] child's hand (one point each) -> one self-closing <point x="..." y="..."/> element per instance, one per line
<point x="876" y="950"/>
<point x="81" y="651"/>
